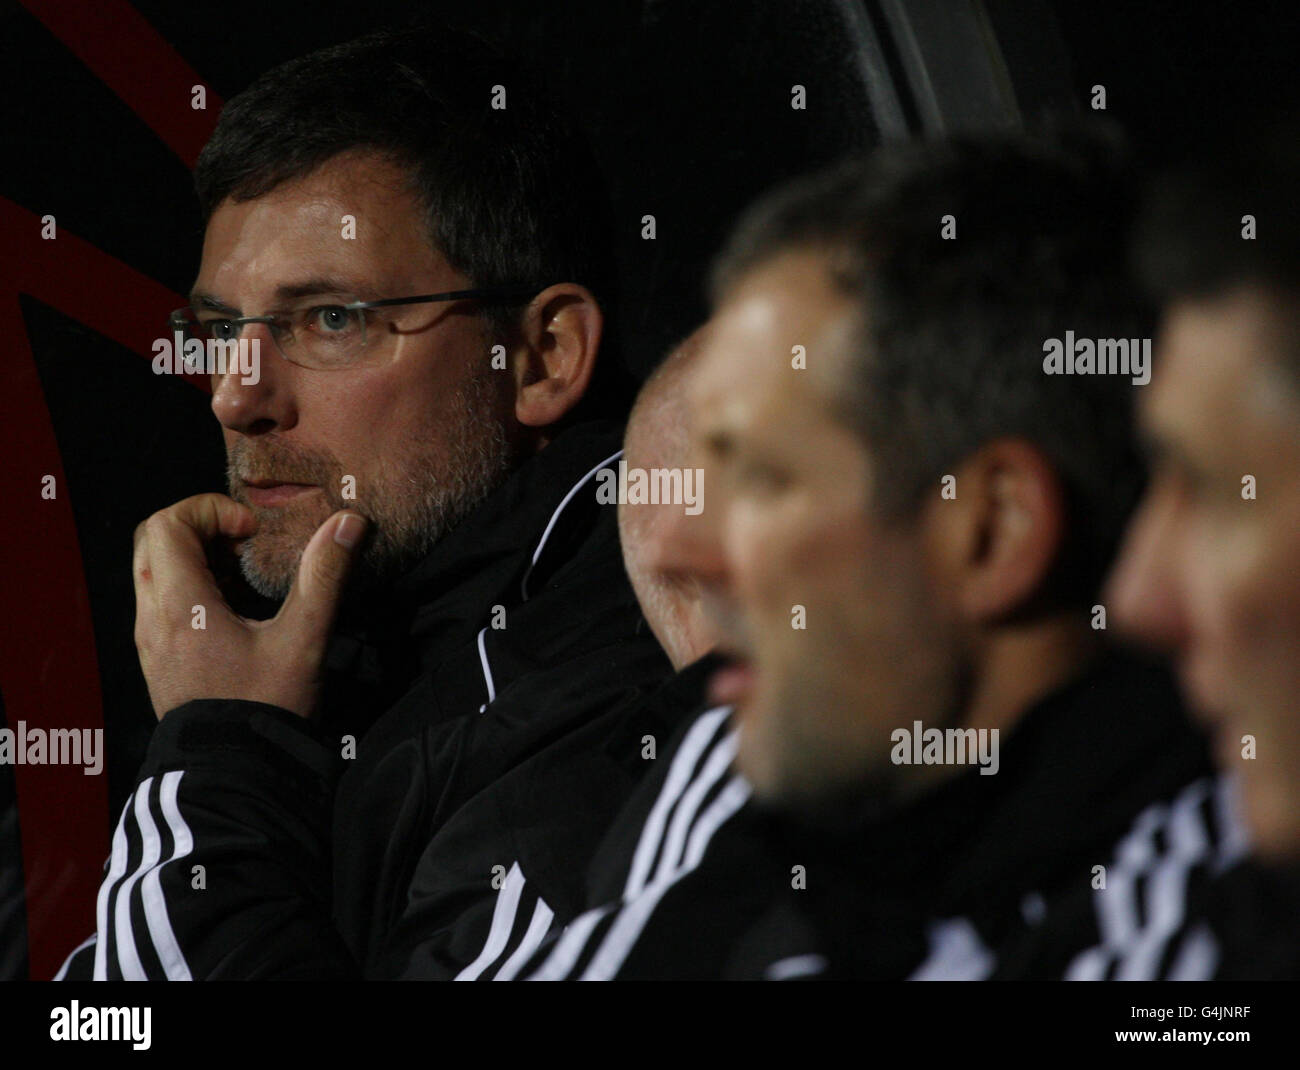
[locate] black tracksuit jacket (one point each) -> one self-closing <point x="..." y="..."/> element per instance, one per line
<point x="980" y="877"/>
<point x="497" y="701"/>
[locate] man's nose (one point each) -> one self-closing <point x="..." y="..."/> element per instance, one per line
<point x="260" y="400"/>
<point x="1145" y="593"/>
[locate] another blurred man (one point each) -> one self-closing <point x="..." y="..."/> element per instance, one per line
<point x="657" y="441"/>
<point x="1211" y="572"/>
<point x="917" y="478"/>
<point x="571" y="786"/>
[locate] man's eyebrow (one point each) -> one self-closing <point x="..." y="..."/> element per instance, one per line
<point x="202" y="299"/>
<point x="320" y="284"/>
<point x="289" y="291"/>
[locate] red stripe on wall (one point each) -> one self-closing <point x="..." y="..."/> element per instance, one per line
<point x="49" y="670"/>
<point x="132" y="59"/>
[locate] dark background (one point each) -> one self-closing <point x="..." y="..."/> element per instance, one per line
<point x="688" y="106"/>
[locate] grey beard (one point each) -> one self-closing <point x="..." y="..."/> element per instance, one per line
<point x="406" y="524"/>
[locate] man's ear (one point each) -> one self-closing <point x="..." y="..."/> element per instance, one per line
<point x="998" y="539"/>
<point x="560" y="335"/>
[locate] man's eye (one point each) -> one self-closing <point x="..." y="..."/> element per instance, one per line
<point x="1191" y="489"/>
<point x="332" y="319"/>
<point x="222" y="330"/>
<point x="1181" y="480"/>
<point x="763" y="477"/>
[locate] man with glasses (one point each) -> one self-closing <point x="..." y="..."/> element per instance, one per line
<point x="449" y="684"/>
<point x="324" y="337"/>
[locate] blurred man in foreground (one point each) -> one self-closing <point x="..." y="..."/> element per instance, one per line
<point x="918" y="472"/>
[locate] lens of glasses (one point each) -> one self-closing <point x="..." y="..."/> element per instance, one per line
<point x="192" y="326"/>
<point x="317" y="336"/>
<point x="323" y="336"/>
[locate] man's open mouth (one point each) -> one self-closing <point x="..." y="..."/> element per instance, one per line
<point x="733" y="683"/>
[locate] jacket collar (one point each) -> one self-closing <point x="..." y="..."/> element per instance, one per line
<point x="501" y="554"/>
<point x="1086" y="756"/>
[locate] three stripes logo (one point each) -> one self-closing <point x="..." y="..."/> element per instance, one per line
<point x="1142" y="914"/>
<point x="134" y="939"/>
<point x="699" y="795"/>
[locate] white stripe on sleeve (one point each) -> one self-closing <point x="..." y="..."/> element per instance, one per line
<point x="625" y="931"/>
<point x="63" y="970"/>
<point x="570" y="946"/>
<point x="719" y="761"/>
<point x="1193" y="842"/>
<point x="155" y="904"/>
<point x="503" y="922"/>
<point x="116" y="869"/>
<point x="1167" y="887"/>
<point x="128" y="958"/>
<point x="538" y="927"/>
<point x="679" y="776"/>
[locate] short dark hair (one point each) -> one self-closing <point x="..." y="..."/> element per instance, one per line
<point x="950" y="351"/>
<point x="1190" y="241"/>
<point x="513" y="195"/>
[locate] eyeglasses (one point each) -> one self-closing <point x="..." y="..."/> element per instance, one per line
<point x="325" y="337"/>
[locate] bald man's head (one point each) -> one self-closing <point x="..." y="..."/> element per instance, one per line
<point x="657" y="438"/>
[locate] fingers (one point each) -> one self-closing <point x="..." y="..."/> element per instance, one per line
<point x="169" y="562"/>
<point x="308" y="613"/>
<point x="194" y="522"/>
<point x="211" y="515"/>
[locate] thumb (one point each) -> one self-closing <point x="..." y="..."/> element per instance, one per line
<point x="322" y="573"/>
